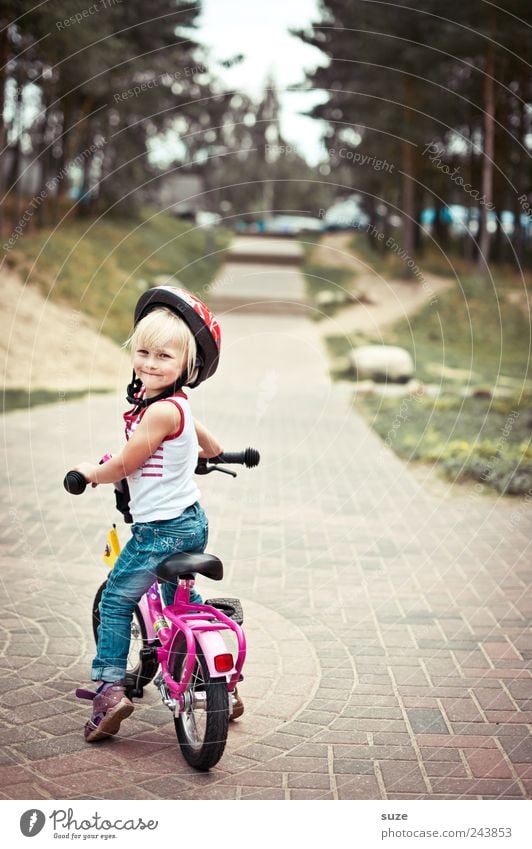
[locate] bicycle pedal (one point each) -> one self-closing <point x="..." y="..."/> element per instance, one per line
<point x="230" y="606"/>
<point x="132" y="687"/>
<point x="148" y="653"/>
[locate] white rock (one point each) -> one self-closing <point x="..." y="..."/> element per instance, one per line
<point x="325" y="298"/>
<point x="364" y="387"/>
<point x="382" y="363"/>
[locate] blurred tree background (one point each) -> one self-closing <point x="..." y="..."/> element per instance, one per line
<point x="96" y="107"/>
<point x="90" y="101"/>
<point x="400" y="76"/>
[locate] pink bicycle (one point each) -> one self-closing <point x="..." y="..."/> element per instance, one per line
<point x="181" y="647"/>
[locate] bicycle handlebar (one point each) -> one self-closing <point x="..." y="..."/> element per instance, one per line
<point x="249" y="458"/>
<point x="75" y="482"/>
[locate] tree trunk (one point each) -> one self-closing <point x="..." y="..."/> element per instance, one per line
<point x="518" y="236"/>
<point x="13" y="184"/>
<point x="488" y="156"/>
<point x="418" y="231"/>
<point x="499" y="237"/>
<point x="409" y="202"/>
<point x="441" y="227"/>
<point x="4" y="54"/>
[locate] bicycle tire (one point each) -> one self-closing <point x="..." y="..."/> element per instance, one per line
<point x="147" y="670"/>
<point x="201" y="733"/>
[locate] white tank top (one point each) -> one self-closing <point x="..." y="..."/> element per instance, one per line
<point x="164" y="486"/>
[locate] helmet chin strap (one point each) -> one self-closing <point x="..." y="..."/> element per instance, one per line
<point x="135" y="386"/>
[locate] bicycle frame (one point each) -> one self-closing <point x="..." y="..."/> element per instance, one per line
<point x="200" y="622"/>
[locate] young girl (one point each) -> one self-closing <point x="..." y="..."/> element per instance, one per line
<point x="175" y="343"/>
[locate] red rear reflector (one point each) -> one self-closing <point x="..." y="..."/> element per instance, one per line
<point x="223" y="662"/>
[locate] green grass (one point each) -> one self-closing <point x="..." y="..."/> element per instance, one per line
<point x="320" y="277"/>
<point x="339" y="280"/>
<point x="470" y="329"/>
<point x="477" y="439"/>
<point x="19" y="399"/>
<point x="471" y="338"/>
<point x="433" y="260"/>
<point x="100" y="267"/>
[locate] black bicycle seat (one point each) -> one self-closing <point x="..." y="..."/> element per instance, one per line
<point x="184" y="565"/>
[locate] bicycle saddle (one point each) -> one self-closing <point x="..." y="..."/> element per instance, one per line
<point x="183" y="565"/>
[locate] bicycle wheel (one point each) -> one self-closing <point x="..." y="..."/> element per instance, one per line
<point x="135" y="667"/>
<point x="202" y="728"/>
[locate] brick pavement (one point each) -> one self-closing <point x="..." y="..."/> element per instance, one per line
<point x="389" y="627"/>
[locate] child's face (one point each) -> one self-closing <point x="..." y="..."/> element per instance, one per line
<point x="158" y="368"/>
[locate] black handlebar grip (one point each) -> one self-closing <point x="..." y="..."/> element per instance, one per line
<point x="250" y="457"/>
<point x="74" y="483"/>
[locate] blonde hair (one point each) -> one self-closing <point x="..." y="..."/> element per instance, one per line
<point x="162" y="327"/>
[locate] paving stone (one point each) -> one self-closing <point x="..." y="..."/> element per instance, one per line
<point x="519" y="752"/>
<point x="346" y="766"/>
<point x="458" y="741"/>
<point x="371" y="725"/>
<point x="494" y="699"/>
<point x="426" y="721"/>
<point x="358" y="787"/>
<point x="483" y="787"/>
<point x="441" y="769"/>
<point x="311" y="750"/>
<point x="127" y="793"/>
<point x="51" y="747"/>
<point x="393" y="753"/>
<point x="26" y="791"/>
<point x="299" y="729"/>
<point x="384" y="738"/>
<point x="309" y="781"/>
<point x="488" y="763"/>
<point x="261" y="753"/>
<point x="291" y="763"/>
<point x="310" y="794"/>
<point x="281" y="741"/>
<point x="19" y="734"/>
<point x="15" y="774"/>
<point x="256" y="778"/>
<point x="401" y="777"/>
<point x="369" y="712"/>
<point x="461" y="710"/>
<point x="258" y="793"/>
<point x="166" y="787"/>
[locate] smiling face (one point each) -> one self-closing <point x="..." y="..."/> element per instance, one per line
<point x="158" y="368"/>
<point x="163" y="350"/>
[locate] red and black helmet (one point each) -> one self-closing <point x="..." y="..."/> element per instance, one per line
<point x="196" y="315"/>
<point x="200" y="321"/>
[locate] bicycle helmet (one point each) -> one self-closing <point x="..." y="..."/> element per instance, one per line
<point x="200" y="321"/>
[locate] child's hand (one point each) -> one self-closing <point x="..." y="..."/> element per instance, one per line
<point x="89" y="471"/>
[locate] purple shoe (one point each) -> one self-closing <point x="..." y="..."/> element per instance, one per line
<point x="110" y="706"/>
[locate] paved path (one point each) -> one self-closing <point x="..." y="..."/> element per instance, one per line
<point x="250" y="281"/>
<point x="390" y="643"/>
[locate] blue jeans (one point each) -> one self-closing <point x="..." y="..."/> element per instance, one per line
<point x="133" y="574"/>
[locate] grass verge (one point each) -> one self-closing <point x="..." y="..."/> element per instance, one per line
<point x="477" y="439"/>
<point x="101" y="266"/>
<point x="329" y="286"/>
<point x="20" y="399"/>
<point x="472" y="340"/>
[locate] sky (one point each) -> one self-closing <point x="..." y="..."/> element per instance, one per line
<point x="259" y="30"/>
